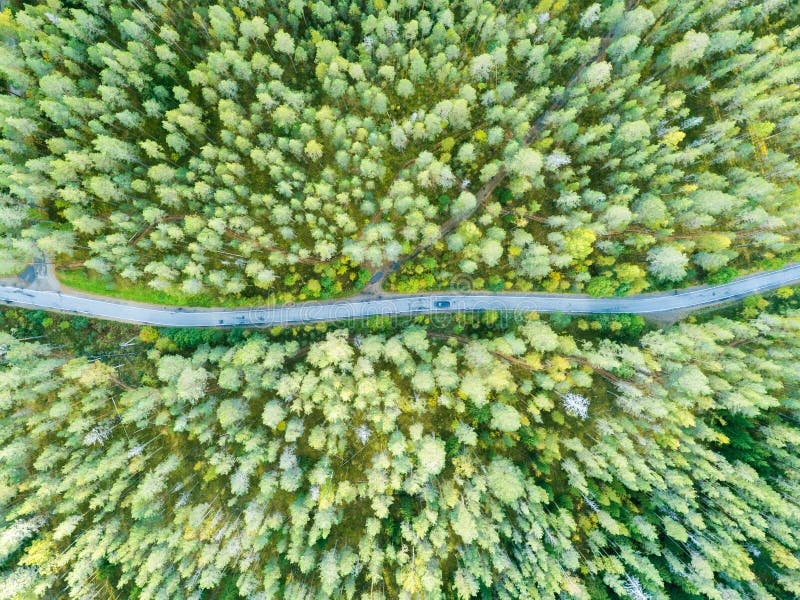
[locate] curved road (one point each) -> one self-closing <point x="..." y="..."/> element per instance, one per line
<point x="393" y="305"/>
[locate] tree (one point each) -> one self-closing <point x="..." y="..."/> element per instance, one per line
<point x="273" y="414"/>
<point x="313" y="150"/>
<point x="598" y="74"/>
<point x="526" y="163"/>
<point x="431" y="456"/>
<point x="491" y="251"/>
<point x="576" y="405"/>
<point x="505" y="481"/>
<point x="667" y="263"/>
<point x="690" y="49"/>
<point x="283" y="42"/>
<point x="504" y="417"/>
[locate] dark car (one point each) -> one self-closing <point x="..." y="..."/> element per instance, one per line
<point x="442" y="304"/>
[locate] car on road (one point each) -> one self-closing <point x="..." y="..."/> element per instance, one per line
<point x="441" y="304"/>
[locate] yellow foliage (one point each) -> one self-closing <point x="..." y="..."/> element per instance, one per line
<point x="675" y="100"/>
<point x="39" y="553"/>
<point x="326" y="496"/>
<point x="686" y="419"/>
<point x="712" y="242"/>
<point x="450" y="494"/>
<point x="135" y="464"/>
<point x="667" y="441"/>
<point x="448" y="143"/>
<point x="673" y="138"/>
<point x="761" y="129"/>
<point x="782" y="556"/>
<point x="6" y="19"/>
<point x="148" y="334"/>
<point x="463" y="466"/>
<point x="533" y="360"/>
<point x="89" y="375"/>
<point x="627" y="272"/>
<point x="558" y="364"/>
<point x="551" y="283"/>
<point x="578" y="242"/>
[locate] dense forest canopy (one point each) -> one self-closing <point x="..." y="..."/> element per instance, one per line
<point x="411" y="463"/>
<point x="294" y="148"/>
<point x="241" y="150"/>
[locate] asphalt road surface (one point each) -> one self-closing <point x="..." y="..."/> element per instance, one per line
<point x="394" y="305"/>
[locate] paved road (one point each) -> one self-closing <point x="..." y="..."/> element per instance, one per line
<point x="393" y="305"/>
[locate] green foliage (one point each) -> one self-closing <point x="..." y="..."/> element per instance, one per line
<point x="304" y="463"/>
<point x="188" y="338"/>
<point x="601" y="286"/>
<point x="82" y="280"/>
<point x="724" y="275"/>
<point x="264" y="152"/>
<point x="560" y="320"/>
<point x="740" y="443"/>
<point x="205" y="153"/>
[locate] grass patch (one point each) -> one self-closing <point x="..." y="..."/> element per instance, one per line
<point x="82" y="280"/>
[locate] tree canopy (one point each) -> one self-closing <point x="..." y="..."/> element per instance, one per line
<point x="415" y="463"/>
<point x="263" y="147"/>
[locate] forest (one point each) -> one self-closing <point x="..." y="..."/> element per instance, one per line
<point x="290" y="150"/>
<point x="479" y="458"/>
<point x="259" y="152"/>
